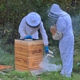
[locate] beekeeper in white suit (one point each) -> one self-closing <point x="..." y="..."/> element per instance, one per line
<point x="29" y="26"/>
<point x="65" y="36"/>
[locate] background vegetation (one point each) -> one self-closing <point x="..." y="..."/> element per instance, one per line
<point x="11" y="13"/>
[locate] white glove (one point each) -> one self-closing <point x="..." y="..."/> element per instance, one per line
<point x="57" y="36"/>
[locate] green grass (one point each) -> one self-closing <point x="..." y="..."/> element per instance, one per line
<point x="6" y="58"/>
<point x="16" y="75"/>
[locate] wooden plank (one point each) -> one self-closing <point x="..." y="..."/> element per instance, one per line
<point x="21" y="49"/>
<point x="18" y="45"/>
<point x="34" y="65"/>
<point x="33" y="68"/>
<point x="26" y="54"/>
<point x="24" y="42"/>
<point x="28" y="59"/>
<point x="31" y="50"/>
<point x="21" y="62"/>
<point x="30" y="47"/>
<point x="21" y="53"/>
<point x="21" y="68"/>
<point x="35" y="53"/>
<point x="21" y="57"/>
<point x="35" y="42"/>
<point x="20" y="42"/>
<point x="35" y="47"/>
<point x="35" y="58"/>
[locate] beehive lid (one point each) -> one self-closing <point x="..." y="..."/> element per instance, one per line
<point x="24" y="42"/>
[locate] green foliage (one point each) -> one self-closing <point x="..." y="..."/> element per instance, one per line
<point x="12" y="11"/>
<point x="8" y="47"/>
<point x="16" y="75"/>
<point x="6" y="58"/>
<point x="76" y="55"/>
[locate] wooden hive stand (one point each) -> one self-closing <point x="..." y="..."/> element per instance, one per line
<point x="28" y="54"/>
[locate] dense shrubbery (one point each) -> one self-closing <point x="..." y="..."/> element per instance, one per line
<point x="12" y="11"/>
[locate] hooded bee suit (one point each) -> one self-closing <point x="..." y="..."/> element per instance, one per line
<point x="66" y="43"/>
<point x="30" y="25"/>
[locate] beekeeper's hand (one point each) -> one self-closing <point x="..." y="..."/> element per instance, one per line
<point x="46" y="49"/>
<point x="28" y="37"/>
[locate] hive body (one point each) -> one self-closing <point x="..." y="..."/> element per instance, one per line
<point x="28" y="54"/>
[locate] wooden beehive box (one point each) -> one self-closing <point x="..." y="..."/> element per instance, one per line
<point x="28" y="54"/>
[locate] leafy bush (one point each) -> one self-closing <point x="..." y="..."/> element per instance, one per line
<point x="13" y="11"/>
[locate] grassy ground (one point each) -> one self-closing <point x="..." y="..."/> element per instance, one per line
<point x="15" y="75"/>
<point x="11" y="74"/>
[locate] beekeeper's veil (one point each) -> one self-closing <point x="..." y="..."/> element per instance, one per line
<point x="33" y="19"/>
<point x="56" y="11"/>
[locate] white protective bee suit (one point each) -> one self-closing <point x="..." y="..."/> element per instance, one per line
<point x="66" y="43"/>
<point x="24" y="29"/>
